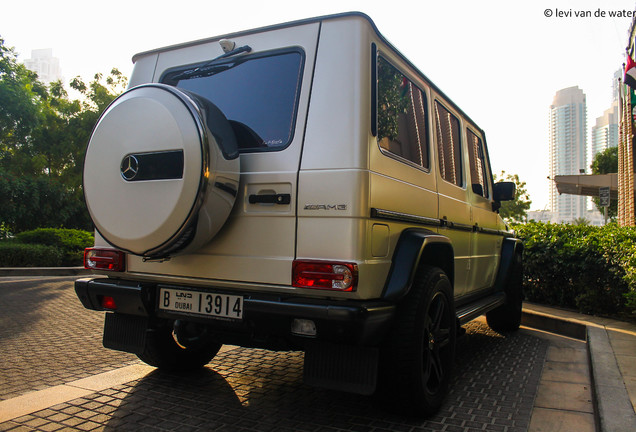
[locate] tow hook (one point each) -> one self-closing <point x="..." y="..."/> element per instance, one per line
<point x="188" y="334"/>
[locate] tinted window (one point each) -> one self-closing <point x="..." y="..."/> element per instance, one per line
<point x="449" y="145"/>
<point x="258" y="94"/>
<point x="402" y="119"/>
<point x="477" y="160"/>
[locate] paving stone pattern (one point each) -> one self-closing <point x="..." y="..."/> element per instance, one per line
<point x="47" y="338"/>
<point x="256" y="390"/>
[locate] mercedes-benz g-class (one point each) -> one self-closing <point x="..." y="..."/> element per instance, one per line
<point x="297" y="187"/>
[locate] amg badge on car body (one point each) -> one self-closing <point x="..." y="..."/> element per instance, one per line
<point x="325" y="207"/>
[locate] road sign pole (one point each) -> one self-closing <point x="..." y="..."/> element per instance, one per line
<point x="604" y="198"/>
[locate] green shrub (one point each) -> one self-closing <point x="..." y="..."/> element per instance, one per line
<point x="590" y="269"/>
<point x="14" y="254"/>
<point x="62" y="238"/>
<point x="69" y="242"/>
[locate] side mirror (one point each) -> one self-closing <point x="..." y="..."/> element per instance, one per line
<point x="503" y="191"/>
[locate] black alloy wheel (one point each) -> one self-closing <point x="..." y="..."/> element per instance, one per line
<point x="417" y="358"/>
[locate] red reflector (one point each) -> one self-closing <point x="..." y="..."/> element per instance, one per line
<point x="108" y="303"/>
<point x="325" y="275"/>
<point x="104" y="259"/>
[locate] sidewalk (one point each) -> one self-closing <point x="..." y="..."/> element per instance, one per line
<point x="611" y="349"/>
<point x="43" y="271"/>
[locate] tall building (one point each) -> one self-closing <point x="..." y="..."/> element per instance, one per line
<point x="45" y="65"/>
<point x="605" y="132"/>
<point x="568" y="150"/>
<point x="616" y="82"/>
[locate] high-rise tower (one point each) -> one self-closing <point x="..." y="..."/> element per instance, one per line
<point x="45" y="65"/>
<point x="605" y="132"/>
<point x="568" y="150"/>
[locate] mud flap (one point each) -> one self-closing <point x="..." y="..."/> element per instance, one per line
<point x="125" y="332"/>
<point x="352" y="369"/>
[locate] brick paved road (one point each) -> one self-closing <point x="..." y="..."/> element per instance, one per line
<point x="247" y="390"/>
<point x="47" y="338"/>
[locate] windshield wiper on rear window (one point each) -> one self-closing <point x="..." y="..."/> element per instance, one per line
<point x="210" y="68"/>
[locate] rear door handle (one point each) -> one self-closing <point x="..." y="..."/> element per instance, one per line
<point x="281" y="199"/>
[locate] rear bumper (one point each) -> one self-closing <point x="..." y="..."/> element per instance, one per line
<point x="266" y="319"/>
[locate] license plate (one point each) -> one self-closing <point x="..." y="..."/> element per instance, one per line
<point x="201" y="303"/>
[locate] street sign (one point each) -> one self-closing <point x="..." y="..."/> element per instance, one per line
<point x="604" y="196"/>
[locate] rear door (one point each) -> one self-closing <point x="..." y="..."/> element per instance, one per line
<point x="264" y="94"/>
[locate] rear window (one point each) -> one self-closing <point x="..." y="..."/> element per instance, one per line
<point x="258" y="94"/>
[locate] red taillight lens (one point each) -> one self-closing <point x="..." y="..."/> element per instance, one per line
<point x="108" y="302"/>
<point x="104" y="259"/>
<point x="325" y="275"/>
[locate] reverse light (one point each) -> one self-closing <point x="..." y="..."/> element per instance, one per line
<point x="325" y="275"/>
<point x="304" y="327"/>
<point x="104" y="259"/>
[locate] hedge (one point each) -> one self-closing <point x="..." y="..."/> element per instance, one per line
<point x="29" y="248"/>
<point x="587" y="268"/>
<point x="13" y="254"/>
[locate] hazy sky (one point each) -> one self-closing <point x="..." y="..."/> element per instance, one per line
<point x="501" y="61"/>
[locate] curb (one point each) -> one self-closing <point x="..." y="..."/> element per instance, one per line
<point x="613" y="409"/>
<point x="552" y="324"/>
<point x="44" y="271"/>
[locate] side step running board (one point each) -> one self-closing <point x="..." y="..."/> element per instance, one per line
<point x="471" y="311"/>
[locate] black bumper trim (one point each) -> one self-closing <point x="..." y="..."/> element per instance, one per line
<point x="131" y="297"/>
<point x="318" y="311"/>
<point x="350" y="321"/>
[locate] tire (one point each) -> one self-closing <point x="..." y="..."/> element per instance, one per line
<point x="163" y="352"/>
<point x="419" y="354"/>
<point x="161" y="171"/>
<point x="507" y="317"/>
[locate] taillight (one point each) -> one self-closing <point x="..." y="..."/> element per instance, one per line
<point x="325" y="275"/>
<point x="107" y="302"/>
<point x="104" y="259"/>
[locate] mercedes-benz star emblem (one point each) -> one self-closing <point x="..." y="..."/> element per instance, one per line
<point x="129" y="167"/>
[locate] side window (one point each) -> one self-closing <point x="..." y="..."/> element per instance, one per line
<point x="402" y="116"/>
<point x="449" y="145"/>
<point x="477" y="161"/>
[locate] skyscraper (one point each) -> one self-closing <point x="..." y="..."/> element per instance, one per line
<point x="45" y="65"/>
<point x="616" y="81"/>
<point x="605" y="132"/>
<point x="568" y="150"/>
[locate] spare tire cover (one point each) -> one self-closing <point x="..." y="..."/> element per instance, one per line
<point x="156" y="180"/>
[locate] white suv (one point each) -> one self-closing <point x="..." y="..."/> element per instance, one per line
<point x="297" y="187"/>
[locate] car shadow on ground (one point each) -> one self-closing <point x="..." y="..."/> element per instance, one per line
<point x="494" y="386"/>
